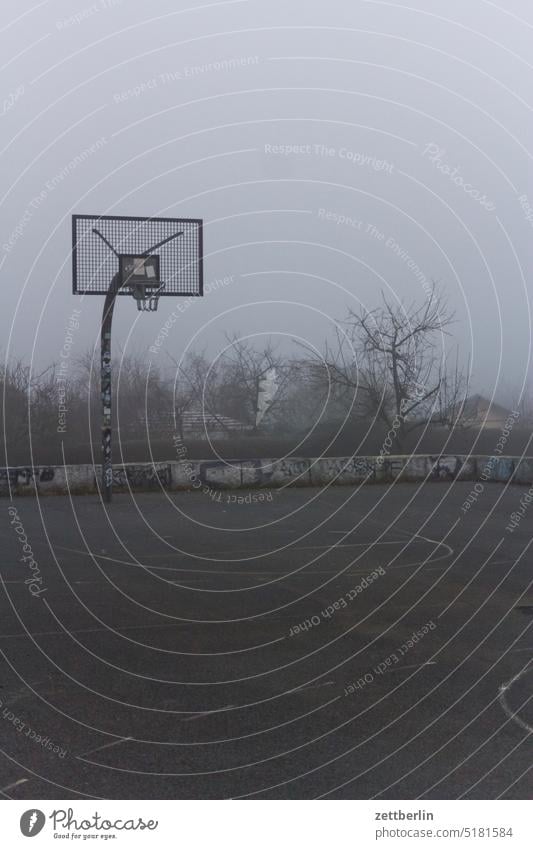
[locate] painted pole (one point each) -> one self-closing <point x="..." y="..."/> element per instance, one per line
<point x="105" y="388"/>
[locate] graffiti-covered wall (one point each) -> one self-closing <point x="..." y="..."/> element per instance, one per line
<point x="213" y="475"/>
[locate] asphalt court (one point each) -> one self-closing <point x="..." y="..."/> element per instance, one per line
<point x="339" y="643"/>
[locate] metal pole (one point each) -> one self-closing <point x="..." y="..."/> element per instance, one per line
<point x="105" y="377"/>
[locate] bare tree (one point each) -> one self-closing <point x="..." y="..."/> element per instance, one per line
<point x="36" y="409"/>
<point x="305" y="397"/>
<point x="389" y="363"/>
<point x="189" y="387"/>
<point x="253" y="380"/>
<point x="143" y="396"/>
<point x="453" y="396"/>
<point x="16" y="383"/>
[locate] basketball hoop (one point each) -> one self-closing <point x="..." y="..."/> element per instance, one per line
<point x="140" y="274"/>
<point x="147" y="297"/>
<point x="115" y="255"/>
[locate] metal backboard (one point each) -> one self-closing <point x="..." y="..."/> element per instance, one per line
<point x="100" y="243"/>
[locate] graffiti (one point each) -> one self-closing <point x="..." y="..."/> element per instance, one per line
<point x="143" y="477"/>
<point x="25" y="476"/>
<point x="291" y="467"/>
<point x="214" y="475"/>
<point x="524" y="472"/>
<point x="445" y="468"/>
<point x="361" y="467"/>
<point x="392" y="466"/>
<point x="497" y="469"/>
<point x="19" y="476"/>
<point x="256" y="473"/>
<point x="218" y="475"/>
<point x="291" y="470"/>
<point x="343" y="470"/>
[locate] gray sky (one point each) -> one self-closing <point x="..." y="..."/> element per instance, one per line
<point x="333" y="150"/>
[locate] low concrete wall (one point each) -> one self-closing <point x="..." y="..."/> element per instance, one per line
<point x="212" y="475"/>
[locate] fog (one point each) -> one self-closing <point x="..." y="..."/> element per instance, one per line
<point x="333" y="150"/>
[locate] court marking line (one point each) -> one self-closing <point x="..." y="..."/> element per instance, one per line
<point x="118" y="629"/>
<point x="301" y="574"/>
<point x="15" y="784"/>
<point x="400" y="669"/>
<point x="94" y="630"/>
<point x="371" y="543"/>
<point x="414" y="666"/>
<point x="313" y="686"/>
<point x="106" y="746"/>
<point x="205" y="713"/>
<point x="149" y="567"/>
<point x="287" y="549"/>
<point x="176" y="583"/>
<point x="285" y="618"/>
<point x="490" y="565"/>
<point x="504" y="562"/>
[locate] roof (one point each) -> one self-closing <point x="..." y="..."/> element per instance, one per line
<point x="201" y="420"/>
<point x="478" y="407"/>
<point x="193" y="421"/>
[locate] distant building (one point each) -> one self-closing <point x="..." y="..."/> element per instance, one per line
<point x="195" y="424"/>
<point x="478" y="411"/>
<point x="198" y="424"/>
<point x="310" y="372"/>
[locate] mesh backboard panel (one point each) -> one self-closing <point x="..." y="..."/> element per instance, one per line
<point x="94" y="264"/>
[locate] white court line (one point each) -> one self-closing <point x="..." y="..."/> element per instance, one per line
<point x="408" y="666"/>
<point x="288" y="549"/>
<point x="106" y="746"/>
<point x="505" y="562"/>
<point x="249" y="573"/>
<point x="15" y="784"/>
<point x="22" y="582"/>
<point x="413" y="666"/>
<point x="312" y="686"/>
<point x="206" y="713"/>
<point x="489" y="565"/>
<point x="222" y="572"/>
<point x="116" y="628"/>
<point x="371" y="543"/>
<point x="502" y="698"/>
<point x="149" y="567"/>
